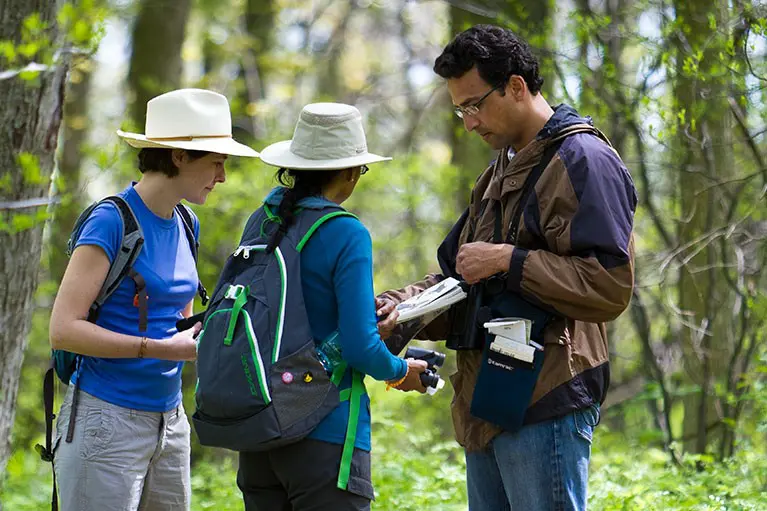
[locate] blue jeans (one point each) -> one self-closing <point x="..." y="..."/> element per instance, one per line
<point x="541" y="467"/>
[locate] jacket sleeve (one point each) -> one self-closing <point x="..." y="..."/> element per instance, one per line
<point x="585" y="214"/>
<point x="436" y="330"/>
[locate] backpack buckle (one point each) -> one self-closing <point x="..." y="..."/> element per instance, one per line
<point x="234" y="291"/>
<point x="44" y="453"/>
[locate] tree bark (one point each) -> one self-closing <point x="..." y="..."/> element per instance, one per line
<point x="68" y="181"/>
<point x="330" y="83"/>
<point x="260" y="16"/>
<point x="30" y="115"/>
<point x="156" y="63"/>
<point x="704" y="141"/>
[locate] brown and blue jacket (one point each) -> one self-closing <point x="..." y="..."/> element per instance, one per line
<point x="574" y="256"/>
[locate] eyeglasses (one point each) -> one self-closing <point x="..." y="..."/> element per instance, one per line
<point x="473" y="109"/>
<point x="363" y="170"/>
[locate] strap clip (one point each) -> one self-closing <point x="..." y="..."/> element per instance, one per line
<point x="234" y="291"/>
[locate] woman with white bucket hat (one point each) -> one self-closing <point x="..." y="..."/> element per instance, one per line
<point x="319" y="168"/>
<point x="127" y="446"/>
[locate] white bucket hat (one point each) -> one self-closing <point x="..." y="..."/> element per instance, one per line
<point x="194" y="119"/>
<point x="328" y="136"/>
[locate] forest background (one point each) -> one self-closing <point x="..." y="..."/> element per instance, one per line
<point x="680" y="87"/>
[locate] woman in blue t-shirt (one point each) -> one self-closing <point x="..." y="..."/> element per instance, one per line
<point x="322" y="163"/>
<point x="122" y="437"/>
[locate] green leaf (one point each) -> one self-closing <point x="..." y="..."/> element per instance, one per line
<point x="30" y="168"/>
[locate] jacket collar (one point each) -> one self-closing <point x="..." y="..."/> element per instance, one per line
<point x="564" y="117"/>
<point x="564" y="120"/>
<point x="314" y="202"/>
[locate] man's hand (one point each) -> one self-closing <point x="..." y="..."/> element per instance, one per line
<point x="479" y="260"/>
<point x="387" y="310"/>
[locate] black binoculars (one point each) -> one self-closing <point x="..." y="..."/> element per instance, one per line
<point x="468" y="317"/>
<point x="434" y="359"/>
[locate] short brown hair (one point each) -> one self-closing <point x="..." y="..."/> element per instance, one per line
<point x="151" y="159"/>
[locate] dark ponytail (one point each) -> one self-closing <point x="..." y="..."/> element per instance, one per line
<point x="299" y="184"/>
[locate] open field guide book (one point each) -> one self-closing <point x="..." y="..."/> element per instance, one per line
<point x="431" y="302"/>
<point x="420" y="310"/>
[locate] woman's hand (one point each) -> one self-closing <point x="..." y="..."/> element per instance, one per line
<point x="181" y="347"/>
<point x="413" y="378"/>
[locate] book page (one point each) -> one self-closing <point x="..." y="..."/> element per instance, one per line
<point x="433" y="300"/>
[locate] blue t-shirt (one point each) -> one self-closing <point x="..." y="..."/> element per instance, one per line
<point x="168" y="267"/>
<point x="337" y="281"/>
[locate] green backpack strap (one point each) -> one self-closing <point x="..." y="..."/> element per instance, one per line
<point x="316" y="225"/>
<point x="357" y="390"/>
<point x="353" y="395"/>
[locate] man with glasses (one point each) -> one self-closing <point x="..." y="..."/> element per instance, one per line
<point x="549" y="228"/>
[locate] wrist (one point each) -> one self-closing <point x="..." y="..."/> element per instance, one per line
<point x="503" y="261"/>
<point x="397" y="383"/>
<point x="154" y="349"/>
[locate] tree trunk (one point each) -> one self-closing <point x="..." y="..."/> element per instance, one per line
<point x="616" y="11"/>
<point x="704" y="142"/>
<point x="330" y="84"/>
<point x="68" y="180"/>
<point x="260" y="17"/>
<point x="30" y="115"/>
<point x="156" y="63"/>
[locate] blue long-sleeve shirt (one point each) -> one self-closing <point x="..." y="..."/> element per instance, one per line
<point x="337" y="278"/>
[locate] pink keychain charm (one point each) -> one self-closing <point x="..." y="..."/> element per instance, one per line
<point x="287" y="377"/>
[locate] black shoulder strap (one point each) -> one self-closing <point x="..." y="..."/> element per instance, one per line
<point x="130" y="247"/>
<point x="131" y="241"/>
<point x="194" y="245"/>
<point x="186" y="219"/>
<point x="46" y="452"/>
<point x="527" y="190"/>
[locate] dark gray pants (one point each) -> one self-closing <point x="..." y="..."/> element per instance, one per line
<point x="302" y="477"/>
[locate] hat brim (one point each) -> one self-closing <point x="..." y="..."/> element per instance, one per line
<point x="220" y="145"/>
<point x="279" y="155"/>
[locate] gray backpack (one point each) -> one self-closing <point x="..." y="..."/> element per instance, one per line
<point x="260" y="383"/>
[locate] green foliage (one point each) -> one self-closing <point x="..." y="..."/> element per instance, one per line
<point x="416" y="463"/>
<point x="83" y="22"/>
<point x="30" y="168"/>
<point x="671" y="80"/>
<point x="214" y="485"/>
<point x="627" y="475"/>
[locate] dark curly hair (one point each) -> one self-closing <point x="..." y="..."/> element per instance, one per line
<point x="497" y="53"/>
<point x="299" y="184"/>
<point x="156" y="159"/>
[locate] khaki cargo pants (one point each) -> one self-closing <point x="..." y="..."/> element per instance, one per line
<point x="121" y="459"/>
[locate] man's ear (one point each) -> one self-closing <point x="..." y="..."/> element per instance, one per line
<point x="349" y="173"/>
<point x="517" y="87"/>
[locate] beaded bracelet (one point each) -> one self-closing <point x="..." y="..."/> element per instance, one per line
<point x="395" y="384"/>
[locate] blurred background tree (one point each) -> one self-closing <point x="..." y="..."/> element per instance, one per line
<point x="679" y="87"/>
